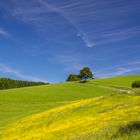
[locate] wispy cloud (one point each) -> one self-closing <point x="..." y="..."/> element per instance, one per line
<point x="4" y="33"/>
<point x="96" y="22"/>
<point x="123" y="69"/>
<point x="71" y="62"/>
<point x="8" y="70"/>
<point x="38" y="13"/>
<point x="120" y="71"/>
<point x="88" y="42"/>
<point x="119" y="34"/>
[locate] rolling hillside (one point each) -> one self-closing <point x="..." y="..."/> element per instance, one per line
<point x="18" y="103"/>
<point x="69" y="110"/>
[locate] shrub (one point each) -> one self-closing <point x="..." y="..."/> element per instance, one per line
<point x="136" y="84"/>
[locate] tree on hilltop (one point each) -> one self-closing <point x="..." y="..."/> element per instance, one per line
<point x="85" y="73"/>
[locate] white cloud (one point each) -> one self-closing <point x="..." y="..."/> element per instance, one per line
<point x="127" y="68"/>
<point x="4" y="33"/>
<point x="120" y="71"/>
<point x="86" y="39"/>
<point x="8" y="70"/>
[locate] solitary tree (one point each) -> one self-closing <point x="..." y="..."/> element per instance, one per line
<point x="86" y="73"/>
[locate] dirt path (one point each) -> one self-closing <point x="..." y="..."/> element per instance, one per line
<point x="118" y="89"/>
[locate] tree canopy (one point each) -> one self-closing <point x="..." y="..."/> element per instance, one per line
<point x="84" y="74"/>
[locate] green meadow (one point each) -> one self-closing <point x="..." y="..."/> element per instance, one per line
<point x="76" y="111"/>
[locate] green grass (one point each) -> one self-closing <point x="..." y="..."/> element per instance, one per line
<point x="119" y="81"/>
<point x="17" y="104"/>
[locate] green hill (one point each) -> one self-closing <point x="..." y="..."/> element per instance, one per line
<point x="21" y="102"/>
<point x="70" y="109"/>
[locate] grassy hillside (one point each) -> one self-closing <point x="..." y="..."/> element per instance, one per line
<point x="17" y="104"/>
<point x="119" y="81"/>
<point x="116" y="116"/>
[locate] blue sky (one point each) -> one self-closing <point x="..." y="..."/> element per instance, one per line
<point x="45" y="40"/>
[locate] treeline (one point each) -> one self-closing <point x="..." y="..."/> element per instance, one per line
<point x="7" y="83"/>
